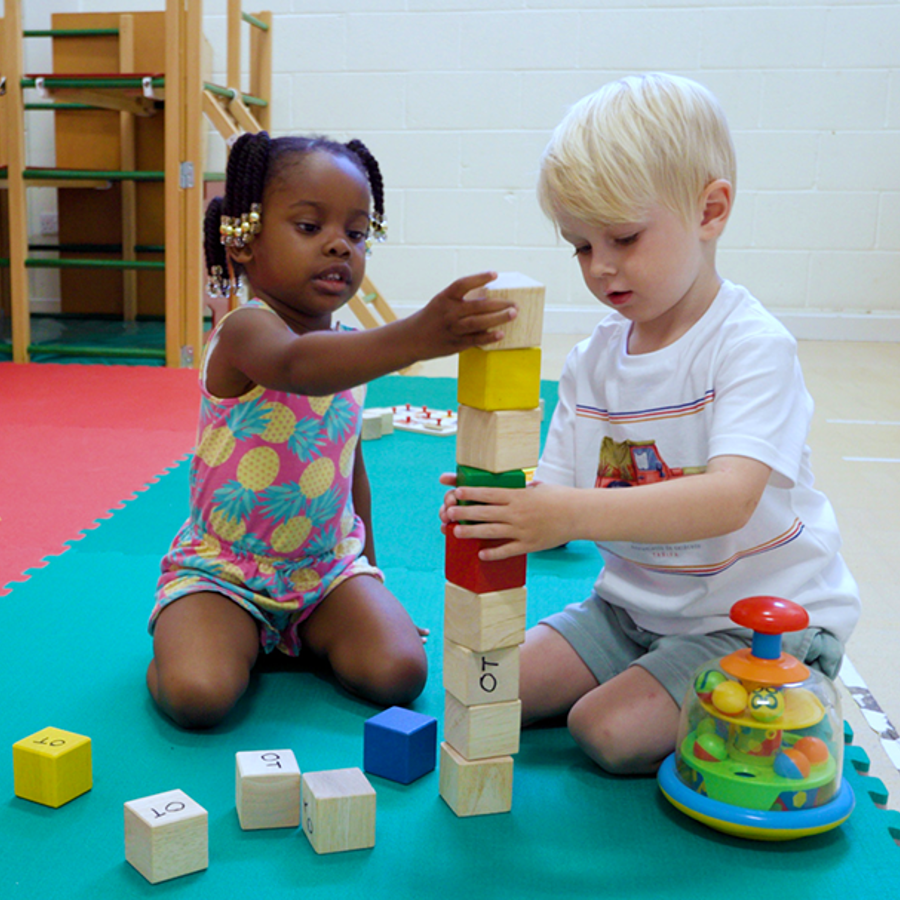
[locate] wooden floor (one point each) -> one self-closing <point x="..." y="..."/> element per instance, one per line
<point x="855" y="442"/>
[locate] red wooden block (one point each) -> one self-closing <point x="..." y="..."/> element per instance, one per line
<point x="463" y="567"/>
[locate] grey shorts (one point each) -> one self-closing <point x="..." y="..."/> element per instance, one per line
<point x="608" y="642"/>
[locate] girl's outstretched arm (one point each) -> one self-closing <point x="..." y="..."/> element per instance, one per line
<point x="256" y="347"/>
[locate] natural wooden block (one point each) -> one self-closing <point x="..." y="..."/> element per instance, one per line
<point x="372" y="425"/>
<point x="498" y="440"/>
<point x="166" y="836"/>
<point x="479" y="732"/>
<point x="500" y="379"/>
<point x="528" y="295"/>
<point x="475" y="787"/>
<point x="490" y="676"/>
<point x="463" y="567"/>
<point x="484" y="621"/>
<point x="338" y="810"/>
<point x="52" y="767"/>
<point x="267" y="789"/>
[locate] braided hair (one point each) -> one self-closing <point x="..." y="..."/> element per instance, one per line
<point x="256" y="159"/>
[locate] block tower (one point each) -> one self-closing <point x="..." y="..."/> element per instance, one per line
<point x="498" y="438"/>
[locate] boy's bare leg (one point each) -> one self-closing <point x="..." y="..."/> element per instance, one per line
<point x="204" y="648"/>
<point x="552" y="676"/>
<point x="370" y="642"/>
<point x="627" y="725"/>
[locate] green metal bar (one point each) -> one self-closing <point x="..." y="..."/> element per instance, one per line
<point x="94" y="248"/>
<point x="71" y="32"/>
<point x="249" y="99"/>
<point x="62" y="81"/>
<point x="61" y="106"/>
<point x="92" y="175"/>
<point x="92" y="351"/>
<point x="36" y="263"/>
<point x="256" y="23"/>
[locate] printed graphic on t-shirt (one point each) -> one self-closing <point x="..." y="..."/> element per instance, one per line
<point x="633" y="463"/>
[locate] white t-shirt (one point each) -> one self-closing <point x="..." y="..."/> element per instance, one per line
<point x="730" y="386"/>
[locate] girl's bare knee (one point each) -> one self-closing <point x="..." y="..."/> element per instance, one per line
<point x="195" y="700"/>
<point x="389" y="680"/>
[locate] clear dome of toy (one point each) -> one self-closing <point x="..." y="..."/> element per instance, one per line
<point x="759" y="751"/>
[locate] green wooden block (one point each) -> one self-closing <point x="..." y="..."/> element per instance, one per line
<point x="469" y="476"/>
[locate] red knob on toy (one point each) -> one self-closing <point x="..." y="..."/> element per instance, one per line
<point x="769" y="618"/>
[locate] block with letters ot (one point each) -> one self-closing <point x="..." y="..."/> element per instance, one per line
<point x="52" y="767"/>
<point x="267" y="789"/>
<point x="166" y="836"/>
<point x="338" y="810"/>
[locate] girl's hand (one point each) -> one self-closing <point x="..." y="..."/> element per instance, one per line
<point x="450" y="323"/>
<point x="529" y="520"/>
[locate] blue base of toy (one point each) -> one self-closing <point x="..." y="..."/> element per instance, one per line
<point x="752" y="823"/>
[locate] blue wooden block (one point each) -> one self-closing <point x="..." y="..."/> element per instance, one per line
<point x="400" y="745"/>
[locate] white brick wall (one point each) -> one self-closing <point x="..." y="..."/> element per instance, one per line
<point x="457" y="98"/>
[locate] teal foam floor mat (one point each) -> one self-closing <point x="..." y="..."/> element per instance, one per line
<point x="75" y="650"/>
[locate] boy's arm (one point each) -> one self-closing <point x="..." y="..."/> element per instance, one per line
<point x="695" y="507"/>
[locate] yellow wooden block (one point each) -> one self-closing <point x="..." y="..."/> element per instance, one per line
<point x="338" y="810"/>
<point x="483" y="731"/>
<point x="166" y="836"/>
<point x="52" y="767"/>
<point x="491" y="676"/>
<point x="475" y="787"/>
<point x="498" y="441"/>
<point x="528" y="295"/>
<point x="484" y="621"/>
<point x="500" y="379"/>
<point x="267" y="789"/>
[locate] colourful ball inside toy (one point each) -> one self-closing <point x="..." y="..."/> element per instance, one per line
<point x="813" y="748"/>
<point x="730" y="698"/>
<point x="710" y="747"/>
<point x="706" y="682"/>
<point x="791" y="764"/>
<point x="766" y="704"/>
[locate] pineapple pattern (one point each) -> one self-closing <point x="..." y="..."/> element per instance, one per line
<point x="272" y="523"/>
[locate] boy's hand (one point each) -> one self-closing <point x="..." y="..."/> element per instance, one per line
<point x="528" y="520"/>
<point x="450" y="323"/>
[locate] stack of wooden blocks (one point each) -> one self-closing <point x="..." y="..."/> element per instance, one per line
<point x="484" y="613"/>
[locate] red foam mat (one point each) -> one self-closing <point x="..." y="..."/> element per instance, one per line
<point x="75" y="441"/>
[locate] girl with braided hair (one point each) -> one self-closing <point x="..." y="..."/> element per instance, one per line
<point x="278" y="550"/>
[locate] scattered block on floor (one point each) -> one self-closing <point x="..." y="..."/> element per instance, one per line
<point x="400" y="744"/>
<point x="483" y="731"/>
<point x="475" y="787"/>
<point x="463" y="567"/>
<point x="500" y="379"/>
<point x="373" y="424"/>
<point x="338" y="810"/>
<point x="166" y="836"/>
<point x="491" y="676"/>
<point x="52" y="767"/>
<point x="498" y="440"/>
<point x="527" y="328"/>
<point x="484" y="621"/>
<point x="267" y="789"/>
